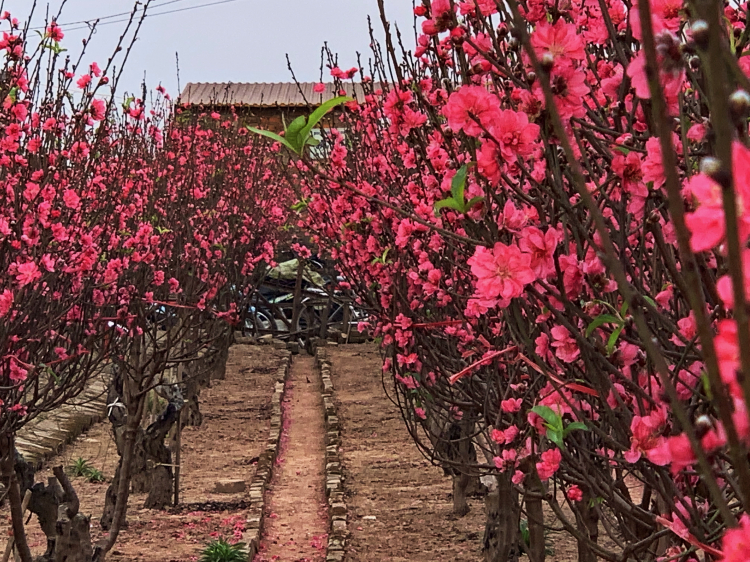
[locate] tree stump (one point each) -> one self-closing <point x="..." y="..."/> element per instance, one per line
<point x="73" y="538"/>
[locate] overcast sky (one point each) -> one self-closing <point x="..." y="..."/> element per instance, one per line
<point x="230" y="41"/>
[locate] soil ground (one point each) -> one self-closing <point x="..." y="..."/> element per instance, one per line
<point x="296" y="509"/>
<point x="399" y="503"/>
<point x="236" y="413"/>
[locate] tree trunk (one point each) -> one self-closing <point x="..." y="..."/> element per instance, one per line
<point x="151" y="470"/>
<point x="7" y="459"/>
<point x="219" y="361"/>
<point x="118" y="496"/>
<point x="139" y="473"/>
<point x="460" y="486"/>
<point x="194" y="377"/>
<point x="110" y="498"/>
<point x="191" y="413"/>
<point x="466" y="456"/>
<point x="503" y="517"/>
<point x="587" y="520"/>
<point x="160" y="474"/>
<point x="45" y="501"/>
<point x="535" y="514"/>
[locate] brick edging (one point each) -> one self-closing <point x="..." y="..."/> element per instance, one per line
<point x="337" y="511"/>
<point x="266" y="462"/>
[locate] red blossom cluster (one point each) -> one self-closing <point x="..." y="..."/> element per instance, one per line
<point x="545" y="210"/>
<point x="129" y="235"/>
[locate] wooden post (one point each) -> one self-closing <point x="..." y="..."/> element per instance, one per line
<point x="347" y="328"/>
<point x="177" y="459"/>
<point x="178" y="445"/>
<point x="324" y="318"/>
<point x="297" y="296"/>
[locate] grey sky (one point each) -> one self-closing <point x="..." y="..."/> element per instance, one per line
<point x="238" y="41"/>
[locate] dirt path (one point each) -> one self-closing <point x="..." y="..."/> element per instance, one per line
<point x="295" y="527"/>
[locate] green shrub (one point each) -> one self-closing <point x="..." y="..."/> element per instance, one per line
<point x="81" y="467"/>
<point x="221" y="551"/>
<point x="94" y="475"/>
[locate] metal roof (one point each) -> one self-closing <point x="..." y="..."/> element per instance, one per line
<point x="262" y="94"/>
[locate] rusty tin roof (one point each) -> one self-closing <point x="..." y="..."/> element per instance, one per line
<point x="262" y="94"/>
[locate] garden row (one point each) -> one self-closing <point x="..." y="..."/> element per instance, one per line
<point x="222" y="461"/>
<point x="544" y="209"/>
<point x="130" y="240"/>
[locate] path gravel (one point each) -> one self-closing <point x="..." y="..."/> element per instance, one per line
<point x="295" y="527"/>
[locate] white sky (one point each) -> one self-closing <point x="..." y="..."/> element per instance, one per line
<point x="236" y="41"/>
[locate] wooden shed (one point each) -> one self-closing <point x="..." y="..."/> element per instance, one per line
<point x="260" y="104"/>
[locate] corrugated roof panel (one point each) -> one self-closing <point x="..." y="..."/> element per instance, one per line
<point x="261" y="94"/>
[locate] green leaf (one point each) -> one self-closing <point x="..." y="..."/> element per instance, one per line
<point x="320" y="112"/>
<point x="293" y="133"/>
<point x="556" y="436"/>
<point x="274" y="137"/>
<point x="613" y="339"/>
<point x="548" y="415"/>
<point x="451" y="203"/>
<point x="624" y="309"/>
<point x="573" y="427"/>
<point x="458" y="184"/>
<point x="524" y="532"/>
<point x="473" y="201"/>
<point x="300" y="206"/>
<point x="650" y="301"/>
<point x="596" y="501"/>
<point x="602" y="319"/>
<point x="623" y="150"/>
<point x="382" y="258"/>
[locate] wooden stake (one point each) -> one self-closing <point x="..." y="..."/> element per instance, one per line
<point x="177" y="459"/>
<point x="298" y="296"/>
<point x="178" y="444"/>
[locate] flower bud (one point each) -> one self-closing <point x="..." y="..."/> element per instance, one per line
<point x="739" y="106"/>
<point x="531" y="76"/>
<point x="547" y="61"/>
<point x="702" y="426"/>
<point x="699" y="31"/>
<point x="710" y="165"/>
<point x="695" y="63"/>
<point x="714" y="169"/>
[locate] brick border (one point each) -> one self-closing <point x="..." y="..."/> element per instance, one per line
<point x="264" y="469"/>
<point x="49" y="434"/>
<point x="337" y="510"/>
